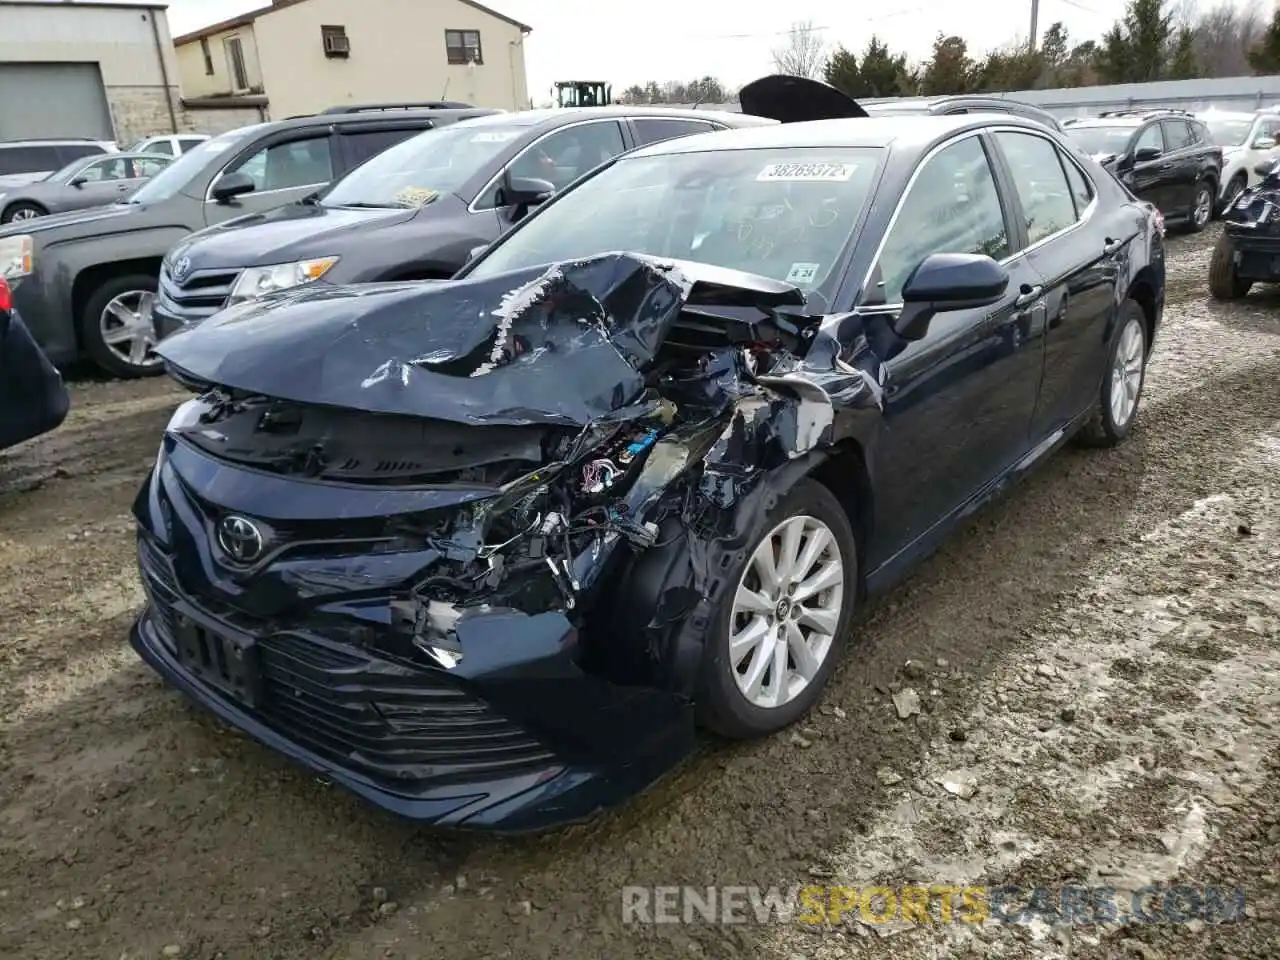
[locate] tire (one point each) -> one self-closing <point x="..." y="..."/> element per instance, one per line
<point x="1110" y="424"/>
<point x="1236" y="187"/>
<point x="722" y="704"/>
<point x="1202" y="205"/>
<point x="1224" y="283"/>
<point x="22" y="211"/>
<point x="94" y="339"/>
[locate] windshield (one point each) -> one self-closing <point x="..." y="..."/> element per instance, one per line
<point x="1100" y="140"/>
<point x="1228" y="133"/>
<point x="784" y="213"/>
<point x="179" y="173"/>
<point x="414" y="171"/>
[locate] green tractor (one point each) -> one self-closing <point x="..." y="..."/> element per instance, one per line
<point x="583" y="93"/>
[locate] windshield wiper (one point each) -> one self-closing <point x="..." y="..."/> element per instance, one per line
<point x="371" y="206"/>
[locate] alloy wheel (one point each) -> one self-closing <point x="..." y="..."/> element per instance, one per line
<point x="25" y="213"/>
<point x="128" y="329"/>
<point x="1204" y="207"/>
<point x="1126" y="374"/>
<point x="786" y="611"/>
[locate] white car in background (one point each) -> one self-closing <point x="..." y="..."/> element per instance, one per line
<point x="170" y="146"/>
<point x="1247" y="139"/>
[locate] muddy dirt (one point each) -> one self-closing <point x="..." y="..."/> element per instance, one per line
<point x="1096" y="659"/>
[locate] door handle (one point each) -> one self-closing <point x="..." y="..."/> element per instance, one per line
<point x="1111" y="246"/>
<point x="1028" y="295"/>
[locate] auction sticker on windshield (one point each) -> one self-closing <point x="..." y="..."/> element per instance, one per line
<point x="416" y="196"/>
<point x="801" y="172"/>
<point x="802" y="272"/>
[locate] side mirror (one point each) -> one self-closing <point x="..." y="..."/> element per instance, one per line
<point x="1264" y="143"/>
<point x="1144" y="154"/>
<point x="525" y="191"/>
<point x="476" y="251"/>
<point x="1264" y="169"/>
<point x="232" y="185"/>
<point x="78" y="182"/>
<point x="948" y="281"/>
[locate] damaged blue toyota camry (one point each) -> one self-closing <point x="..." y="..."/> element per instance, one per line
<point x="488" y="551"/>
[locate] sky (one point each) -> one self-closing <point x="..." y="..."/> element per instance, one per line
<point x="626" y="42"/>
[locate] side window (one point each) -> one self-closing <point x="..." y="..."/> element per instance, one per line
<point x="117" y="168"/>
<point x="565" y="155"/>
<point x="1267" y="128"/>
<point x="148" y="166"/>
<point x="28" y="159"/>
<point x="160" y="146"/>
<point x="952" y="207"/>
<point x="1041" y="183"/>
<point x="359" y="147"/>
<point x="187" y="143"/>
<point x="281" y="166"/>
<point x="1177" y="136"/>
<point x="1150" y="139"/>
<point x="654" y="129"/>
<point x="1081" y="187"/>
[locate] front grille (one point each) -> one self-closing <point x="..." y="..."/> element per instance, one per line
<point x="200" y="295"/>
<point x="391" y="722"/>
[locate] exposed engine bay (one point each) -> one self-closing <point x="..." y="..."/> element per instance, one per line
<point x="607" y="403"/>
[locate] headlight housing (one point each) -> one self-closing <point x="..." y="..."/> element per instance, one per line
<point x="16" y="257"/>
<point x="260" y="281"/>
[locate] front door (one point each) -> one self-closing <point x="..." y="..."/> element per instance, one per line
<point x="957" y="403"/>
<point x="1151" y="176"/>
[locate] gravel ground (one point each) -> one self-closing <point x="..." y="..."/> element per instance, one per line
<point x="1081" y="688"/>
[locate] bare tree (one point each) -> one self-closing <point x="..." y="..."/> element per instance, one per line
<point x="804" y="54"/>
<point x="1224" y="35"/>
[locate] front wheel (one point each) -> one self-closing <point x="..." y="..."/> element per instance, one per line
<point x="1201" y="207"/>
<point x="778" y="636"/>
<point x="1224" y="281"/>
<point x="1232" y="193"/>
<point x="117" y="329"/>
<point x="1122" y="382"/>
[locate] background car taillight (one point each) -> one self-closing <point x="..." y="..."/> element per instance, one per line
<point x="6" y="297"/>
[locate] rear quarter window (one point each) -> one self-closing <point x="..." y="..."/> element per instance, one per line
<point x="657" y="129"/>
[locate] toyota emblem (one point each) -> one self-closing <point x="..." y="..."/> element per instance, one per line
<point x="181" y="267"/>
<point x="240" y="539"/>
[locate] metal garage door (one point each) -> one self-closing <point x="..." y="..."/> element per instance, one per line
<point x="53" y="100"/>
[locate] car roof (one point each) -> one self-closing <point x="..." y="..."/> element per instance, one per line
<point x="552" y="117"/>
<point x="366" y="117"/>
<point x="909" y="131"/>
<point x="51" y="141"/>
<point x="1231" y="114"/>
<point x="1108" y="122"/>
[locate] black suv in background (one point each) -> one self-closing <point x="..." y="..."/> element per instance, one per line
<point x="417" y="211"/>
<point x="1165" y="157"/>
<point x="85" y="282"/>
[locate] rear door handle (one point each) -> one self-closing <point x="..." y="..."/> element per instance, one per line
<point x="1028" y="295"/>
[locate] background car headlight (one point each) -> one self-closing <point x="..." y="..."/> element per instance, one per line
<point x="259" y="281"/>
<point x="16" y="259"/>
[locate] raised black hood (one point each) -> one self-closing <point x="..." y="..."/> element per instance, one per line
<point x="564" y="345"/>
<point x="790" y="99"/>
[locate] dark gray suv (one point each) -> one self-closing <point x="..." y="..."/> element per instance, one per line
<point x="85" y="282"/>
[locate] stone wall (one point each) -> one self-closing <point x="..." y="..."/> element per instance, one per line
<point x="138" y="112"/>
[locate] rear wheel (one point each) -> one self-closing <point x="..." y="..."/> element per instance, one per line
<point x="778" y="636"/>
<point x="1117" y="408"/>
<point x="1201" y="207"/>
<point x="117" y="329"/>
<point x="22" y="211"/>
<point x="1224" y="282"/>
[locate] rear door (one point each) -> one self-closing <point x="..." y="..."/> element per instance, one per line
<point x="284" y="168"/>
<point x="1182" y="157"/>
<point x="958" y="403"/>
<point x="1074" y="247"/>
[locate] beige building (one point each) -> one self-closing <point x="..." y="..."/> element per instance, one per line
<point x="306" y="55"/>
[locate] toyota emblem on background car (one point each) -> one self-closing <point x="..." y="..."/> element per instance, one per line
<point x="181" y="267"/>
<point x="240" y="539"/>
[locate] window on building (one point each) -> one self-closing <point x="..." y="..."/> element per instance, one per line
<point x="335" y="41"/>
<point x="463" y="46"/>
<point x="235" y="59"/>
<point x="208" y="56"/>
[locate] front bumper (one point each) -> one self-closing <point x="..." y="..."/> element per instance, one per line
<point x="1256" y="256"/>
<point x="518" y="739"/>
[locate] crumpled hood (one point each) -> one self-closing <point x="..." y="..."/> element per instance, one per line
<point x="564" y="345"/>
<point x="789" y="99"/>
<point x="294" y="232"/>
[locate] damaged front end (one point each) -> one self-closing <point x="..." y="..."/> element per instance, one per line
<point x="460" y="546"/>
<point x="1250" y="246"/>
